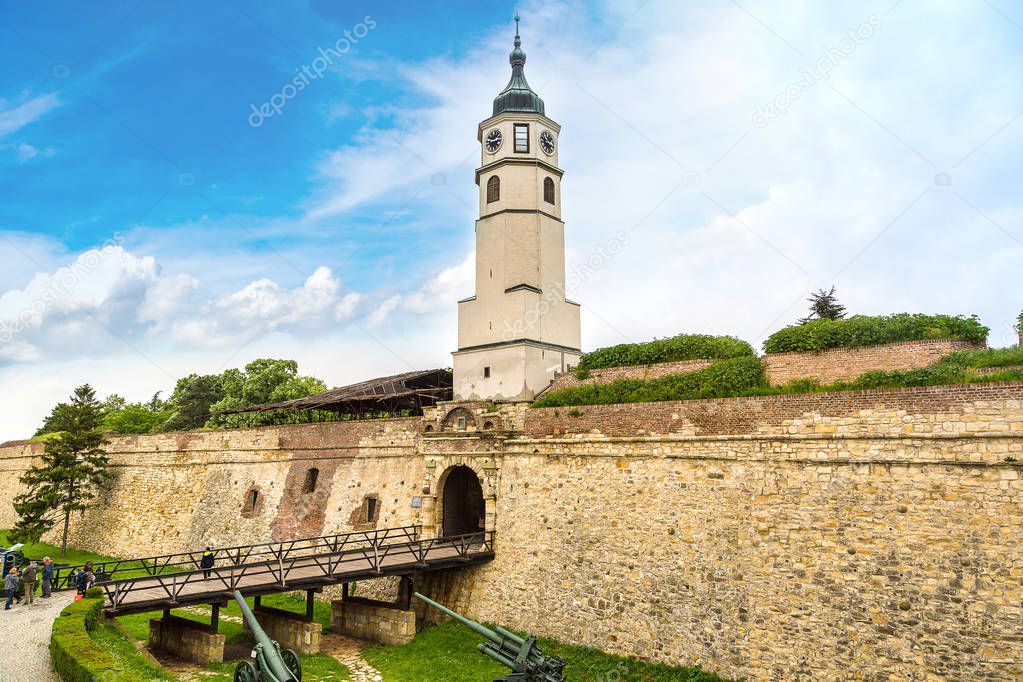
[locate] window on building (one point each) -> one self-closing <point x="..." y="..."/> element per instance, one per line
<point x="493" y="189"/>
<point x="522" y="138"/>
<point x="310" y="480"/>
<point x="486" y="372"/>
<point x="548" y="190"/>
<point x="460" y="423"/>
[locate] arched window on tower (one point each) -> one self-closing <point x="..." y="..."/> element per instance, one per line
<point x="548" y="190"/>
<point x="493" y="189"/>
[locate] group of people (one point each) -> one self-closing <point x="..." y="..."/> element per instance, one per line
<point x="23" y="582"/>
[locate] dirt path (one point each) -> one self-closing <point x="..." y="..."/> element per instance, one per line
<point x="27" y="630"/>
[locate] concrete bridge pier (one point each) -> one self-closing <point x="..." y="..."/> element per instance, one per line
<point x="291" y="630"/>
<point x="188" y="639"/>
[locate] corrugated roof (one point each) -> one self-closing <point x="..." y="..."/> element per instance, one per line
<point x="410" y="390"/>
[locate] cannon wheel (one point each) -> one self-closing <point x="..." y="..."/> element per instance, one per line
<point x="292" y="662"/>
<point x="246" y="672"/>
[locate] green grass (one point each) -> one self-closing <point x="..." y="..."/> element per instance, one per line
<point x="315" y="667"/>
<point x="37" y="550"/>
<point x="130" y="663"/>
<point x="447" y="653"/>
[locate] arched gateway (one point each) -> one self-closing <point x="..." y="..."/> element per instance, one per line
<point x="462" y="505"/>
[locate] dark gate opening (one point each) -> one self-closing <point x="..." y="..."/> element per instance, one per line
<point x="463" y="503"/>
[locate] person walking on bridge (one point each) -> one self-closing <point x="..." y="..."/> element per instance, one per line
<point x="206" y="563"/>
<point x="11" y="581"/>
<point x="28" y="578"/>
<point x="48" y="572"/>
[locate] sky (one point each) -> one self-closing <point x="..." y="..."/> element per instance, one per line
<point x="171" y="201"/>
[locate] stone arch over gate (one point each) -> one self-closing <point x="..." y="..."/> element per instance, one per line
<point x="460" y="502"/>
<point x="464" y="491"/>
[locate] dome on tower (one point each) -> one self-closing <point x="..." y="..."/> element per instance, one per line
<point x="517" y="95"/>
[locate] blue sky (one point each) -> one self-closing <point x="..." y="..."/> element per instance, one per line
<point x="750" y="152"/>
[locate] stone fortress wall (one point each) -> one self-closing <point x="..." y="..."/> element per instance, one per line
<point x="867" y="535"/>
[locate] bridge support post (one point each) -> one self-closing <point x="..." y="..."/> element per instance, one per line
<point x="309" y="605"/>
<point x="187" y="639"/>
<point x="291" y="630"/>
<point x="215" y="617"/>
<point x="376" y="621"/>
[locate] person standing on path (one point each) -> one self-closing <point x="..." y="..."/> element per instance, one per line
<point x="11" y="581"/>
<point x="48" y="572"/>
<point x="28" y="577"/>
<point x="206" y="563"/>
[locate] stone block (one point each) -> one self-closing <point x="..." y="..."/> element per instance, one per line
<point x="290" y="630"/>
<point x="186" y="639"/>
<point x="374" y="621"/>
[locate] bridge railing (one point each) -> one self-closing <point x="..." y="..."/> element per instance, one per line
<point x="106" y="571"/>
<point x="294" y="570"/>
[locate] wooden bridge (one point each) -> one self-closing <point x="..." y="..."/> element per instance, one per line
<point x="175" y="580"/>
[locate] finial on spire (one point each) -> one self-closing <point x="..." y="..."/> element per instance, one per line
<point x="518" y="41"/>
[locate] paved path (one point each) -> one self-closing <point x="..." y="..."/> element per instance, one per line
<point x="349" y="651"/>
<point x="26" y="629"/>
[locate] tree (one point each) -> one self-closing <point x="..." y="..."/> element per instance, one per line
<point x="262" y="381"/>
<point x="824" y="305"/>
<point x="193" y="395"/>
<point x="73" y="466"/>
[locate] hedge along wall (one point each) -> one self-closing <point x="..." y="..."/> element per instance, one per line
<point x="863" y="330"/>
<point x="76" y="658"/>
<point x="673" y="349"/>
<point x="75" y="655"/>
<point x="846" y="364"/>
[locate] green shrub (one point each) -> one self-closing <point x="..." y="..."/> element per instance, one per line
<point x="673" y="349"/>
<point x="725" y="378"/>
<point x="78" y="657"/>
<point x="861" y="330"/>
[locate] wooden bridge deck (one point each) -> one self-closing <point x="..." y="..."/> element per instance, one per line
<point x="299" y="565"/>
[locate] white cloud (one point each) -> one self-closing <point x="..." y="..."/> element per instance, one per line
<point x="15" y="117"/>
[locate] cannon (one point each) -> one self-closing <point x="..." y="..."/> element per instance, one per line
<point x="11" y="557"/>
<point x="519" y="654"/>
<point x="272" y="664"/>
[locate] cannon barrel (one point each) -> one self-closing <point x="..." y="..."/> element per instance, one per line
<point x="495" y="637"/>
<point x="269" y="653"/>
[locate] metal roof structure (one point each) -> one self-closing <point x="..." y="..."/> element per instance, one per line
<point x="517" y="95"/>
<point x="409" y="391"/>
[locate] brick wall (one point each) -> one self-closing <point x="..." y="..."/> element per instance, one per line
<point x="609" y="374"/>
<point x="837" y="364"/>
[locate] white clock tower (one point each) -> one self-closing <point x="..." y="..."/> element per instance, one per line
<point x="518" y="330"/>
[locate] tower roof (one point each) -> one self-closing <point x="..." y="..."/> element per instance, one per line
<point x="517" y="95"/>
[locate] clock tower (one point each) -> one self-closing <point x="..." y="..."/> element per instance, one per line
<point x="518" y="330"/>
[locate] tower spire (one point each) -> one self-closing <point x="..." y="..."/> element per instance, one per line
<point x="517" y="95"/>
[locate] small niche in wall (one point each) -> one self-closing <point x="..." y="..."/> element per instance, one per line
<point x="311" y="477"/>
<point x="252" y="502"/>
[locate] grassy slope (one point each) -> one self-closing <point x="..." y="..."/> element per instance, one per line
<point x="314" y="668"/>
<point x="37" y="550"/>
<point x="447" y="653"/>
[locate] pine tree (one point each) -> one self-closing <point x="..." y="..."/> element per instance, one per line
<point x="824" y="305"/>
<point x="73" y="466"/>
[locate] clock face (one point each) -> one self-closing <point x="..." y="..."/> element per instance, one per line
<point x="547" y="142"/>
<point x="493" y="141"/>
